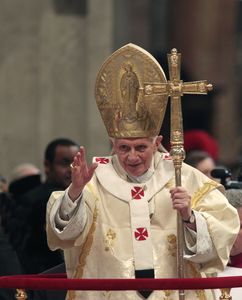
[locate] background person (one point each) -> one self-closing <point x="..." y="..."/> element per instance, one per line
<point x="30" y="235"/>
<point x="23" y="178"/>
<point x="202" y="161"/>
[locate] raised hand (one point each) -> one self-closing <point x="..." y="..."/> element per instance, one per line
<point x="81" y="174"/>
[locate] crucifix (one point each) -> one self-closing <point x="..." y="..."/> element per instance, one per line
<point x="176" y="89"/>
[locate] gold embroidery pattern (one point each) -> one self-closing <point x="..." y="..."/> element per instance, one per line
<point x="201" y="295"/>
<point x="172" y="244"/>
<point x="108" y="241"/>
<point x="225" y="294"/>
<point x="126" y="93"/>
<point x="167" y="293"/>
<point x="207" y="187"/>
<point x="195" y="274"/>
<point x="106" y="294"/>
<point x="86" y="247"/>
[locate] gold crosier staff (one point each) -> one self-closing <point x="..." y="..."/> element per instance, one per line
<point x="176" y="89"/>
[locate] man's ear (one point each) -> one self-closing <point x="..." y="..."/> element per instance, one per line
<point x="158" y="141"/>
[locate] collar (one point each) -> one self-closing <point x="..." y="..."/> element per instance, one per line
<point x="112" y="177"/>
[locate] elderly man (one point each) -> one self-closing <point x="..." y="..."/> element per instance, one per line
<point x="118" y="218"/>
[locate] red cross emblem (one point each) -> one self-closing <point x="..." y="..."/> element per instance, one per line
<point x="141" y="234"/>
<point x="137" y="192"/>
<point x="102" y="160"/>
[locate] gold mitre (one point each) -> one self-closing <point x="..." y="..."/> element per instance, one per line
<point x="126" y="93"/>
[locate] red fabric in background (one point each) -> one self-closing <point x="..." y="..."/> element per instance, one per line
<point x="196" y="139"/>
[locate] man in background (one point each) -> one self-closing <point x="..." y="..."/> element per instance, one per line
<point x="32" y="248"/>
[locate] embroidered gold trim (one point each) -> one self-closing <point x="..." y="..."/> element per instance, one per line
<point x="200" y="293"/>
<point x="168" y="293"/>
<point x="87" y="245"/>
<point x="172" y="244"/>
<point x="110" y="237"/>
<point x="207" y="187"/>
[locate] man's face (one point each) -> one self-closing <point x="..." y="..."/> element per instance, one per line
<point x="237" y="247"/>
<point x="59" y="171"/>
<point x="135" y="154"/>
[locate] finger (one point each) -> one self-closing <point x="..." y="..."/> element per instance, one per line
<point x="83" y="161"/>
<point x="180" y="196"/>
<point x="81" y="155"/>
<point x="174" y="191"/>
<point x="179" y="192"/>
<point x="177" y="189"/>
<point x="179" y="207"/>
<point x="75" y="162"/>
<point x="184" y="202"/>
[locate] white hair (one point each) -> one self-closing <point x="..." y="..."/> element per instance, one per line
<point x="23" y="170"/>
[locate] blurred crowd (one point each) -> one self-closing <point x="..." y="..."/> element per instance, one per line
<point x="23" y="199"/>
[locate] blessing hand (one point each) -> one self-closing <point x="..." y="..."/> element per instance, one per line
<point x="81" y="174"/>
